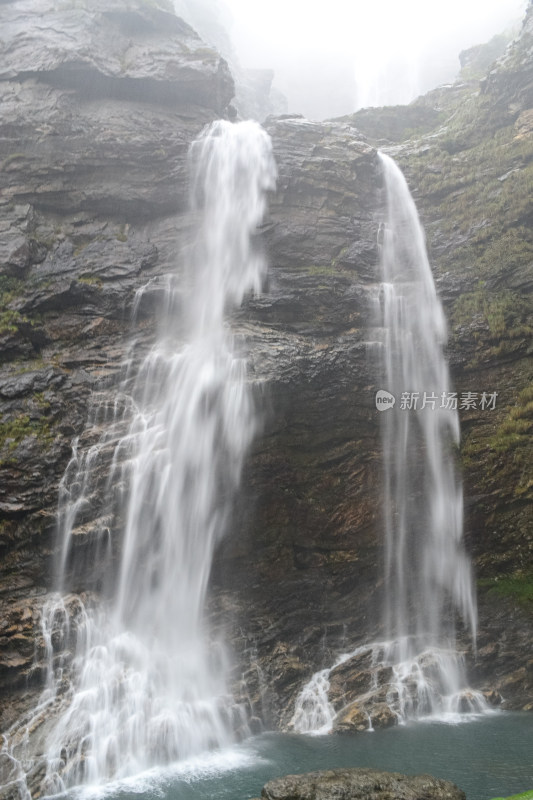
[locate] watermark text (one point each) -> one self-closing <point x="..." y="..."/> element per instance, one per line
<point x="453" y="401"/>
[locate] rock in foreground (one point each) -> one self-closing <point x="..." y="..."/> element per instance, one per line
<point x="367" y="784"/>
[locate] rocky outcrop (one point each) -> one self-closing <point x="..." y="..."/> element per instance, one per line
<point x="134" y="50"/>
<point x="350" y="784"/>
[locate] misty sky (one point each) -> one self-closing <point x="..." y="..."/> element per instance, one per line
<point x="334" y="56"/>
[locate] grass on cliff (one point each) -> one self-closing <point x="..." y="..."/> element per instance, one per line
<point x="21" y="427"/>
<point x="513" y="438"/>
<point x="10" y="288"/>
<point x="10" y="320"/>
<point x="504" y="313"/>
<point x="483" y="190"/>
<point x="517" y="587"/>
<point x="34" y="421"/>
<point x="517" y="428"/>
<point x="480" y="192"/>
<point x="523" y="796"/>
<point x="485" y="210"/>
<point x="504" y="448"/>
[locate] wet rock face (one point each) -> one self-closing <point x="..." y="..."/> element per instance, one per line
<point x="350" y="784"/>
<point x="355" y="717"/>
<point x="97" y="101"/>
<point x="135" y="51"/>
<point x="362" y="693"/>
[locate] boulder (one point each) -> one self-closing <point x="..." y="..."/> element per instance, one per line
<point x="366" y="784"/>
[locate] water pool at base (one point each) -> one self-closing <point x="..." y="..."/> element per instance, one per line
<point x="488" y="757"/>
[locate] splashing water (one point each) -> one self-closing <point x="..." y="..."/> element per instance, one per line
<point x="427" y="573"/>
<point x="148" y="683"/>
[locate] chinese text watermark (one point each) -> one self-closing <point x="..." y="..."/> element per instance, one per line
<point x="418" y="401"/>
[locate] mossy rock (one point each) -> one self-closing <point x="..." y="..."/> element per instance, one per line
<point x="518" y="587"/>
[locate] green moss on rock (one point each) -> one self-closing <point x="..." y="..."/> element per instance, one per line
<point x="504" y="313"/>
<point x="10" y="288"/>
<point x="517" y="587"/>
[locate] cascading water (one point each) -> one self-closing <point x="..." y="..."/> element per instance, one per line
<point x="427" y="573"/>
<point x="148" y="685"/>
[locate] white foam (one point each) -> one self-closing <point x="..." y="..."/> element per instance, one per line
<point x="154" y="781"/>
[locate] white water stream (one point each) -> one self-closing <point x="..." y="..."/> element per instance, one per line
<point x="427" y="574"/>
<point x="148" y="682"/>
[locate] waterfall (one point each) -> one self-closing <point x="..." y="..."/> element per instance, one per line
<point x="416" y="670"/>
<point x="427" y="573"/>
<point x="148" y="680"/>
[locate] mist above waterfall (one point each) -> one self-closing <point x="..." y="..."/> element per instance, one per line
<point x="331" y="60"/>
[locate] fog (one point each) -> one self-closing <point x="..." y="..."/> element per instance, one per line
<point x="334" y="57"/>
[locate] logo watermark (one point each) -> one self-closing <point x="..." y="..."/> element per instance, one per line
<point x="384" y="400"/>
<point x="453" y="401"/>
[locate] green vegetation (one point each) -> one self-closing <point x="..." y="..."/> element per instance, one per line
<point x="513" y="436"/>
<point x="15" y="430"/>
<point x="518" y="424"/>
<point x="48" y="238"/>
<point x="518" y="587"/>
<point x="122" y="235"/>
<point x="9" y="289"/>
<point x="507" y="253"/>
<point x="477" y="176"/>
<point x="503" y="312"/>
<point x="10" y="321"/>
<point x="317" y="269"/>
<point x="31" y="365"/>
<point x="501" y="449"/>
<point x="485" y="189"/>
<point x="33" y="421"/>
<point x="91" y="280"/>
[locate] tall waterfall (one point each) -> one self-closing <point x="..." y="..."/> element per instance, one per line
<point x="427" y="573"/>
<point x="148" y="680"/>
<point x="416" y="670"/>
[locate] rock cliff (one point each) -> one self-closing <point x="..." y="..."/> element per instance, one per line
<point x="100" y="102"/>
